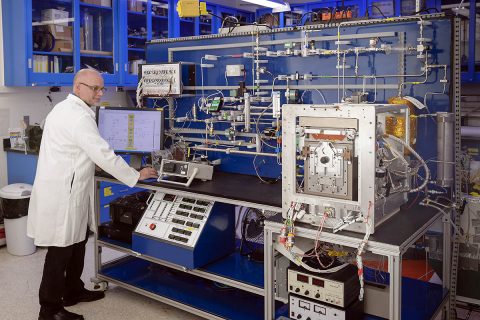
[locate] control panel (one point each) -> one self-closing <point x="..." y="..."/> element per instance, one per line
<point x="175" y="219"/>
<point x="185" y="231"/>
<point x="339" y="288"/>
<point x="302" y="308"/>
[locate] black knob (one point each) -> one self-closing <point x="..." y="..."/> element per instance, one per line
<point x="317" y="295"/>
<point x="297" y="290"/>
<point x="307" y="293"/>
<point x="299" y="316"/>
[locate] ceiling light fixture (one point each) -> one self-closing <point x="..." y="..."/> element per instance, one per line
<point x="276" y="7"/>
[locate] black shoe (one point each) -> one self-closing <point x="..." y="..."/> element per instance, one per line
<point x="84" y="296"/>
<point x="62" y="314"/>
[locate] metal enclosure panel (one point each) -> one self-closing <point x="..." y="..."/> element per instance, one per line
<point x="367" y="116"/>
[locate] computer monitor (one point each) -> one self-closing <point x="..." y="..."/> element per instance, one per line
<point x="131" y="130"/>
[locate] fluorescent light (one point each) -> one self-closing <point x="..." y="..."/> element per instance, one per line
<point x="278" y="7"/>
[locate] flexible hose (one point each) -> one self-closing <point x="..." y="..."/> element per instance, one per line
<point x="425" y="167"/>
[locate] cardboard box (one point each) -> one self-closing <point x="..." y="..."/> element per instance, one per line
<point x="63" y="46"/>
<point x="59" y="32"/>
<point x="104" y="3"/>
<point x="55" y="16"/>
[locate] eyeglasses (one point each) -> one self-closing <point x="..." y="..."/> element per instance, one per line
<point x="95" y="88"/>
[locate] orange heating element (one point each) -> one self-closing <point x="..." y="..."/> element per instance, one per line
<point x="324" y="136"/>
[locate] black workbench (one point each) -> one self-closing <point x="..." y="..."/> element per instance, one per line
<point x="395" y="231"/>
<point x="233" y="186"/>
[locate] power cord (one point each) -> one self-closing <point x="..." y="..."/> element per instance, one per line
<point x="239" y="22"/>
<point x="378" y="9"/>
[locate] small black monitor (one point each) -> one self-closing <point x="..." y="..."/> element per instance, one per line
<point x="131" y="130"/>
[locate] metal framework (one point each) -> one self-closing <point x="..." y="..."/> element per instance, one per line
<point x="456" y="100"/>
<point x="392" y="252"/>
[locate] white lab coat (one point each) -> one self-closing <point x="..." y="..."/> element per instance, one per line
<point x="62" y="200"/>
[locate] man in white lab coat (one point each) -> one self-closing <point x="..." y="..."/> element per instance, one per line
<point x="61" y="204"/>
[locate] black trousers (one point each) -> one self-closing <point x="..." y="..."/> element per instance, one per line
<point x="61" y="275"/>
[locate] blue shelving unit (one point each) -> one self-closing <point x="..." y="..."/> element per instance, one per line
<point x="158" y="21"/>
<point x="27" y="65"/>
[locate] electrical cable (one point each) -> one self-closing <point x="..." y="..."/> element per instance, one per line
<point x="307" y="13"/>
<point x="427" y="10"/>
<point x="378" y="9"/>
<point x="239" y="22"/>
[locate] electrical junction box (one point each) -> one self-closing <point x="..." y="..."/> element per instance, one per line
<point x="191" y="8"/>
<point x="235" y="70"/>
<point x="185" y="231"/>
<point x="338" y="162"/>
<point x="165" y="79"/>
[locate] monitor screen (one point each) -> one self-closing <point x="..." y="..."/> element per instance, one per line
<point x="131" y="130"/>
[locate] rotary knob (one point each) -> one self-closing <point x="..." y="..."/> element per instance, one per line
<point x="152" y="226"/>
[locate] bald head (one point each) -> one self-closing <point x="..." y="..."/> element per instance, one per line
<point x="88" y="86"/>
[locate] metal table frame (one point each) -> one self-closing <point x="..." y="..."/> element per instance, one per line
<point x="393" y="254"/>
<point x="98" y="244"/>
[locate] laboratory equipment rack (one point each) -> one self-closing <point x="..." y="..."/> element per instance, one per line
<point x="219" y="290"/>
<point x="391" y="239"/>
<point x="197" y="291"/>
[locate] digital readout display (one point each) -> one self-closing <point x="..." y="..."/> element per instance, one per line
<point x="302" y="278"/>
<point x="318" y="282"/>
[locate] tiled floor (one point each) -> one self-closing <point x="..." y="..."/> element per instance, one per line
<point x="20" y="279"/>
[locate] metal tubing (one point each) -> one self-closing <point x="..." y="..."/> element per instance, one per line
<point x="445" y="149"/>
<point x="471" y="132"/>
<point x="246" y="111"/>
<point x="230" y="150"/>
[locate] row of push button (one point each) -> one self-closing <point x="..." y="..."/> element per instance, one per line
<point x="174" y="237"/>
<point x="192" y="224"/>
<point x="182" y="213"/>
<point x="175" y="220"/>
<point x="185" y="232"/>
